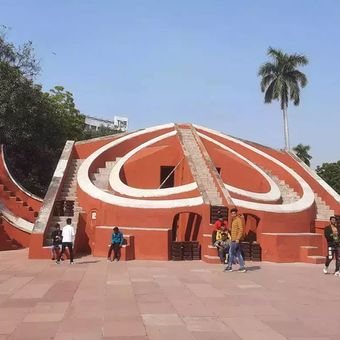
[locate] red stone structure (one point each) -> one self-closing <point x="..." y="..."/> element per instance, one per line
<point x="165" y="184"/>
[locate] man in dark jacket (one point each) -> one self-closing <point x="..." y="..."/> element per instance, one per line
<point x="56" y="241"/>
<point x="332" y="235"/>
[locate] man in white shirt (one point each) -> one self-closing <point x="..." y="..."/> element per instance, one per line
<point x="67" y="239"/>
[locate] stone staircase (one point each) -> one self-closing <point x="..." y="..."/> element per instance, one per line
<point x="66" y="205"/>
<point x="323" y="211"/>
<point x="199" y="168"/>
<point x="311" y="254"/>
<point x="16" y="204"/>
<point x="100" y="178"/>
<point x="288" y="195"/>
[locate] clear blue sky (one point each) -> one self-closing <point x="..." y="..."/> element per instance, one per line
<point x="189" y="61"/>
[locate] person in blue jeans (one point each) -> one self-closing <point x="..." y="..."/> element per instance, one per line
<point x="235" y="251"/>
<point x="116" y="243"/>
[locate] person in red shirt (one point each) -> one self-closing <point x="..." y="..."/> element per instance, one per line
<point x="218" y="224"/>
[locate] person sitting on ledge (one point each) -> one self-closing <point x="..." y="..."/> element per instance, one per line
<point x="332" y="235"/>
<point x="116" y="243"/>
<point x="223" y="246"/>
<point x="220" y="227"/>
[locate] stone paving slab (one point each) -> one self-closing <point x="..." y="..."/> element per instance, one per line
<point x="155" y="300"/>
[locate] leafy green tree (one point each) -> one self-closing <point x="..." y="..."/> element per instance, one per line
<point x="330" y="173"/>
<point x="281" y="80"/>
<point x="71" y="122"/>
<point x="102" y="131"/>
<point x="302" y="151"/>
<point x="34" y="125"/>
<point x="21" y="58"/>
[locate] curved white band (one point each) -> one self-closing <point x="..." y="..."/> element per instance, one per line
<point x="305" y="202"/>
<point x="118" y="186"/>
<point x="88" y="187"/>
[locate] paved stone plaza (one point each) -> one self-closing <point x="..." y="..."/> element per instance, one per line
<point x="136" y="300"/>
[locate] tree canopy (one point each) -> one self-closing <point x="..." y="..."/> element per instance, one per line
<point x="34" y="125"/>
<point x="330" y="172"/>
<point x="302" y="151"/>
<point x="281" y="80"/>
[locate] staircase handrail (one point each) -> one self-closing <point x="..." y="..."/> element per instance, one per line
<point x="172" y="171"/>
<point x="46" y="211"/>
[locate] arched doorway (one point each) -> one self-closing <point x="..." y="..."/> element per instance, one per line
<point x="251" y="223"/>
<point x="184" y="236"/>
<point x="251" y="249"/>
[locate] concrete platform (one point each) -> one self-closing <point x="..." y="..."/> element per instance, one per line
<point x="155" y="300"/>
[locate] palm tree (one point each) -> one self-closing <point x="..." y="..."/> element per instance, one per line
<point x="282" y="81"/>
<point x="302" y="152"/>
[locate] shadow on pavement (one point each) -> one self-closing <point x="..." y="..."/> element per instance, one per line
<point x="253" y="268"/>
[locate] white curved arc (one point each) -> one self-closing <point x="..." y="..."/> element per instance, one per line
<point x="118" y="186"/>
<point x="90" y="189"/>
<point x="272" y="195"/>
<point x="305" y="202"/>
<point x="16" y="221"/>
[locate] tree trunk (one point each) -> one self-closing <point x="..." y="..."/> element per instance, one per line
<point x="286" y="130"/>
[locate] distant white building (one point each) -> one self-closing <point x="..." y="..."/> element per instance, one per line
<point x="118" y="123"/>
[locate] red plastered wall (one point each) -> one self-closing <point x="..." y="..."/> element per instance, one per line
<point x="235" y="171"/>
<point x="261" y="161"/>
<point x="12" y="186"/>
<point x="20" y="236"/>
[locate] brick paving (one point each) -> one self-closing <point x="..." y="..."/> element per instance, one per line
<point x="155" y="300"/>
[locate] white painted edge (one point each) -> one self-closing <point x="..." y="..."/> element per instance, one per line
<point x="292" y="234"/>
<point x="118" y="186"/>
<point x="16" y="221"/>
<point x="272" y="195"/>
<point x="14" y="181"/>
<point x="89" y="188"/>
<point x="316" y="177"/>
<point x="133" y="228"/>
<point x="60" y="169"/>
<point x="305" y="202"/>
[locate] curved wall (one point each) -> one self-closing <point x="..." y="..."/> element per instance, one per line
<point x="7" y="179"/>
<point x="235" y="171"/>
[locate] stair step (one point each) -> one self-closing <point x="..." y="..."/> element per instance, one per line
<point x="316" y="259"/>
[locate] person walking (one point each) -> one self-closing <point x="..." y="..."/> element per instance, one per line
<point x="332" y="235"/>
<point x="235" y="251"/>
<point x="116" y="243"/>
<point x="67" y="241"/>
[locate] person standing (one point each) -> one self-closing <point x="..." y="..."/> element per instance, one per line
<point x="237" y="228"/>
<point x="68" y="237"/>
<point x="116" y="243"/>
<point x="332" y="235"/>
<point x="56" y="241"/>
